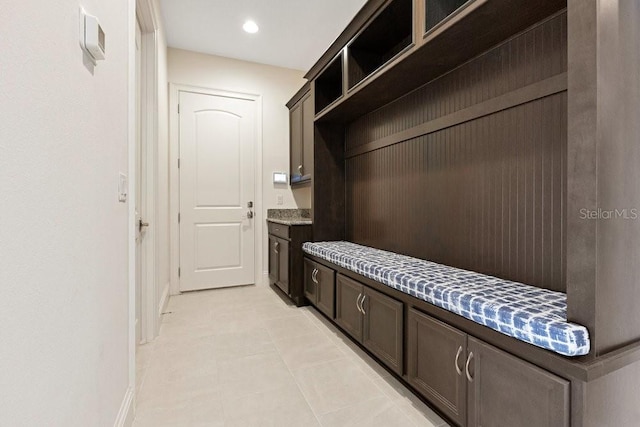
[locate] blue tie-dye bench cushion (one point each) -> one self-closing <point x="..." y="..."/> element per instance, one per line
<point x="534" y="315"/>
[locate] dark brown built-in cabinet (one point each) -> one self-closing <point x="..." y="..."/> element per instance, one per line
<point x="468" y="379"/>
<point x="301" y="114"/>
<point x="497" y="136"/>
<point x="372" y="318"/>
<point x="285" y="258"/>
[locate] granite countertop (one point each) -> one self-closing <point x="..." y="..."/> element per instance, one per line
<point x="289" y="216"/>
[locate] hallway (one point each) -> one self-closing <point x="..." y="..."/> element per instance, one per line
<point x="243" y="357"/>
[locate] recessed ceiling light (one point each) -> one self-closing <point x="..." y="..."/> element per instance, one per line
<point x="250" y="27"/>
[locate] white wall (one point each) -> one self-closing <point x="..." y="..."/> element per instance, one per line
<point x="64" y="332"/>
<point x="276" y="86"/>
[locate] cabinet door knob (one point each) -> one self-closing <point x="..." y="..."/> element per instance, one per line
<point x="300" y="169"/>
<point x="466" y="367"/>
<point x="276" y="245"/>
<point x="314" y="275"/>
<point x="362" y="304"/>
<point x="458" y="370"/>
<point x="358" y="302"/>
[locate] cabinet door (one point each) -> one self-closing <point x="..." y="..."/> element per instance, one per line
<point x="383" y="328"/>
<point x="274" y="262"/>
<point x="436" y="353"/>
<point x="326" y="285"/>
<point x="508" y="392"/>
<point x="310" y="288"/>
<point x="283" y="265"/>
<point x="308" y="114"/>
<point x="348" y="314"/>
<point x="295" y="142"/>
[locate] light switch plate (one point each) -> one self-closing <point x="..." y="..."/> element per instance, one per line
<point x="122" y="188"/>
<point x="280" y="200"/>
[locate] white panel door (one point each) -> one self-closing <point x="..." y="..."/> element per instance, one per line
<point x="217" y="138"/>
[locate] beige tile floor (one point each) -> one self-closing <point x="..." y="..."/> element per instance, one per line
<point x="244" y="357"/>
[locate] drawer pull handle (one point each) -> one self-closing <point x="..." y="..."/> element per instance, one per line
<point x="466" y="367"/>
<point x="314" y="275"/>
<point x="458" y="370"/>
<point x="362" y="304"/>
<point x="358" y="302"/>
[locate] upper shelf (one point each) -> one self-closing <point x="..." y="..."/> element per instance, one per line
<point x="383" y="64"/>
<point x="328" y="85"/>
<point x="438" y="10"/>
<point x="385" y="37"/>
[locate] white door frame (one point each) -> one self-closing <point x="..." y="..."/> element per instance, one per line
<point x="174" y="177"/>
<point x="150" y="315"/>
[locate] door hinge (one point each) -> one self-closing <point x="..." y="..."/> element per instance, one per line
<point x="178" y="271"/>
<point x="178" y="108"/>
<point x="178" y="163"/>
<point x="178" y="217"/>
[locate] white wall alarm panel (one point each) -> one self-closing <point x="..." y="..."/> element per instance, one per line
<point x="93" y="37"/>
<point x="279" y="177"/>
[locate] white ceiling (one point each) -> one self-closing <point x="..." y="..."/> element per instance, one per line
<point x="293" y="33"/>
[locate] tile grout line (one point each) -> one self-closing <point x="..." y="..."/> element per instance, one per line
<point x="331" y="336"/>
<point x="337" y="339"/>
<point x="315" y="414"/>
<point x="295" y="381"/>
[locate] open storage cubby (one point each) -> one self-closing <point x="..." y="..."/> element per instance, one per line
<point x="386" y="36"/>
<point x="328" y="85"/>
<point x="437" y="11"/>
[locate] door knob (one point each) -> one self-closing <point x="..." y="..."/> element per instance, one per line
<point x="249" y="204"/>
<point x="250" y="214"/>
<point x="142" y="224"/>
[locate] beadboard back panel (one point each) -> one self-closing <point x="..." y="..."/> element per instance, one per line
<point x="530" y="57"/>
<point x="484" y="191"/>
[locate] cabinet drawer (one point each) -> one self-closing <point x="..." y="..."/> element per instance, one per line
<point x="279" y="230"/>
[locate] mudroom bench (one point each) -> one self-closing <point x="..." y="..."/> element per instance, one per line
<point x="481" y="350"/>
<point x="530" y="314"/>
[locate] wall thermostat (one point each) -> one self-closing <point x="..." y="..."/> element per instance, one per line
<point x="92" y="36"/>
<point x="279" y="177"/>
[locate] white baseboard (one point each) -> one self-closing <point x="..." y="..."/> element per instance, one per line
<point x="265" y="279"/>
<point x="126" y="413"/>
<point x="164" y="300"/>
